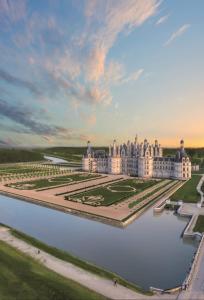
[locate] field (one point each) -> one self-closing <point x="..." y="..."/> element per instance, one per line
<point x="199" y="226"/>
<point x="22" y="278"/>
<point x="112" y="193"/>
<point x="188" y="192"/>
<point x="19" y="155"/>
<point x="54" y="181"/>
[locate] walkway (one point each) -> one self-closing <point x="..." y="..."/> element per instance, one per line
<point x="96" y="283"/>
<point x="199" y="189"/>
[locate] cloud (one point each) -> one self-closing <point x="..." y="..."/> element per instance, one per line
<point x="4" y="143"/>
<point x="162" y="20"/>
<point x="133" y="77"/>
<point x="13" y="80"/>
<point x="96" y="63"/>
<point x="30" y="123"/>
<point x="113" y="17"/>
<point x="114" y="72"/>
<point x="177" y="33"/>
<point x="66" y="65"/>
<point x="12" y="11"/>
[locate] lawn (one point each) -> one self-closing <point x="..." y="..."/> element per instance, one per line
<point x="199" y="226"/>
<point x="188" y="192"/>
<point x="115" y="192"/>
<point x="54" y="181"/>
<point x="22" y="278"/>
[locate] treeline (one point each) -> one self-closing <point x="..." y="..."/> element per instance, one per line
<point x="196" y="154"/>
<point x="19" y="155"/>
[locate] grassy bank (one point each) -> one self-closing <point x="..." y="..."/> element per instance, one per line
<point x="199" y="226"/>
<point x="19" y="155"/>
<point x="23" y="278"/>
<point x="76" y="261"/>
<point x="188" y="192"/>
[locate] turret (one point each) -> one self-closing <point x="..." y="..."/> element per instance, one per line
<point x="89" y="150"/>
<point x="114" y="148"/>
<point x="182" y="144"/>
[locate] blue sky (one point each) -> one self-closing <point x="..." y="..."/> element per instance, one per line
<point x="73" y="70"/>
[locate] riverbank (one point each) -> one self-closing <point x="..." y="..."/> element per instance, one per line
<point x="23" y="277"/>
<point x="99" y="284"/>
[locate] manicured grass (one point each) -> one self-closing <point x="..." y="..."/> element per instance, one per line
<point x="109" y="197"/>
<point x="199" y="226"/>
<point x="76" y="261"/>
<point x="188" y="192"/>
<point x="23" y="278"/>
<point x="60" y="180"/>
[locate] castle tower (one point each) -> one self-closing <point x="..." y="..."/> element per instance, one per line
<point x="114" y="148"/>
<point x="89" y="150"/>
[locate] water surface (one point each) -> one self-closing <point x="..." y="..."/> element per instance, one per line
<point x="149" y="252"/>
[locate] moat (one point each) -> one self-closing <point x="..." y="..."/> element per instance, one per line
<point x="149" y="252"/>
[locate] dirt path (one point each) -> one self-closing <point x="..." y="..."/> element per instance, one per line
<point x="98" y="284"/>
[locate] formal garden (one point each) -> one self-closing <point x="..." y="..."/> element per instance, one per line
<point x="45" y="183"/>
<point x="29" y="170"/>
<point x="112" y="193"/>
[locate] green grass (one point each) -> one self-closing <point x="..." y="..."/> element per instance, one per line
<point x="76" y="261"/>
<point x="19" y="155"/>
<point x="23" y="278"/>
<point x="188" y="192"/>
<point x="60" y="180"/>
<point x="199" y="226"/>
<point x="110" y="197"/>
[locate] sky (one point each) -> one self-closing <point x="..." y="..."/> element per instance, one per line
<point x="78" y="70"/>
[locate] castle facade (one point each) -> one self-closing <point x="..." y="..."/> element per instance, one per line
<point x="138" y="159"/>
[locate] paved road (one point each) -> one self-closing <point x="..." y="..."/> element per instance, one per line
<point x="85" y="278"/>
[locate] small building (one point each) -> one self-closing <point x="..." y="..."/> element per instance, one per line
<point x="138" y="159"/>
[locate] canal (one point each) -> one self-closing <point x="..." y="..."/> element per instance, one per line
<point x="149" y="252"/>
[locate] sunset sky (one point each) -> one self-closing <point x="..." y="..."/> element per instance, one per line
<point x="73" y="70"/>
